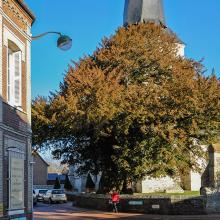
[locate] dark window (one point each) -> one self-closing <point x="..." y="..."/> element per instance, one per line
<point x="57" y="192"/>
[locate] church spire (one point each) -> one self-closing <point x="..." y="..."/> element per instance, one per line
<point x="143" y="10"/>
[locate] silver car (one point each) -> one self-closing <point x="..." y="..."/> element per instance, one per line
<point x="55" y="195"/>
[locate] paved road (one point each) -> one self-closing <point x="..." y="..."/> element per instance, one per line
<point x="66" y="211"/>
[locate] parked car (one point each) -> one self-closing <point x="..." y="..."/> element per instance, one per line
<point x="55" y="195"/>
<point x="40" y="193"/>
<point x="34" y="198"/>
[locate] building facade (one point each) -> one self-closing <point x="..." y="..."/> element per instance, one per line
<point x="40" y="170"/>
<point x="15" y="110"/>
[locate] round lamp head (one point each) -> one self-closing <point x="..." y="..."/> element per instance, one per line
<point x="64" y="42"/>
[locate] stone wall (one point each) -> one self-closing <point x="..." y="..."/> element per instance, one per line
<point x="167" y="205"/>
<point x="213" y="203"/>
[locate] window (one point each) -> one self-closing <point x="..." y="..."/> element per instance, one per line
<point x="14" y="74"/>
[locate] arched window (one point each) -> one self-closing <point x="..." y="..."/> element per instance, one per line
<point x="14" y="74"/>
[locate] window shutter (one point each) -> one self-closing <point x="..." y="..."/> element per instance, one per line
<point x="10" y="76"/>
<point x="17" y="78"/>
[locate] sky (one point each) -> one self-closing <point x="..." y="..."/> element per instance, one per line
<point x="196" y="22"/>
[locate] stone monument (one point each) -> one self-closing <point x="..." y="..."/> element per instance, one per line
<point x="211" y="180"/>
<point x="211" y="177"/>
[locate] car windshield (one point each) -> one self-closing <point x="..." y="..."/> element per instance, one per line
<point x="42" y="191"/>
<point x="57" y="192"/>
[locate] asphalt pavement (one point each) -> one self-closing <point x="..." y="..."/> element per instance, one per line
<point x="67" y="211"/>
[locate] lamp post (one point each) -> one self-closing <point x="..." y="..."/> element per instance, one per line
<point x="64" y="42"/>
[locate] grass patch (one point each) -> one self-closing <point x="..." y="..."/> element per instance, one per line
<point x="186" y="193"/>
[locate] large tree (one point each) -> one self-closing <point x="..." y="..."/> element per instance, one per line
<point x="131" y="109"/>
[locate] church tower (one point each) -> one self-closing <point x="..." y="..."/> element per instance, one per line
<point x="137" y="11"/>
<point x="143" y="11"/>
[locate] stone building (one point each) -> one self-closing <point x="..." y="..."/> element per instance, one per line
<point x="40" y="170"/>
<point x="15" y="110"/>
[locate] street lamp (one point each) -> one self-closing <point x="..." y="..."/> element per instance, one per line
<point x="64" y="42"/>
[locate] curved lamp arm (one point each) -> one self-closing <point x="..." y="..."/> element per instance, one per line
<point x="64" y="42"/>
<point x="44" y="34"/>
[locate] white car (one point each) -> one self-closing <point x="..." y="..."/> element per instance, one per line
<point x="55" y="195"/>
<point x="40" y="193"/>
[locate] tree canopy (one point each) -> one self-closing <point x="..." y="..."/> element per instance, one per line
<point x="132" y="108"/>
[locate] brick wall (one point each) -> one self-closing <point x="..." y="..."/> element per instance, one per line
<point x="14" y="118"/>
<point x="16" y="14"/>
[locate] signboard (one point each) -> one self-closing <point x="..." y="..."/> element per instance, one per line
<point x="155" y="206"/>
<point x="16" y="183"/>
<point x="139" y="202"/>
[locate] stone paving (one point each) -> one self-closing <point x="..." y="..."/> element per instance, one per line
<point x="66" y="211"/>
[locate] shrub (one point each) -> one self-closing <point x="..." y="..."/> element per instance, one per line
<point x="67" y="185"/>
<point x="89" y="182"/>
<point x="57" y="184"/>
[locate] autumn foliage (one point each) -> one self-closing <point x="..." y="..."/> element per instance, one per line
<point x="131" y="109"/>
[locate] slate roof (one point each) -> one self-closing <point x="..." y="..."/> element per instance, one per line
<point x="62" y="177"/>
<point x="136" y="11"/>
<point x="36" y="154"/>
<point x="53" y="176"/>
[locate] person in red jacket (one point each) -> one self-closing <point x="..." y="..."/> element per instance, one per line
<point x="115" y="200"/>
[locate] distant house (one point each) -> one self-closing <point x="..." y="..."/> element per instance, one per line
<point x="40" y="170"/>
<point x="51" y="178"/>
